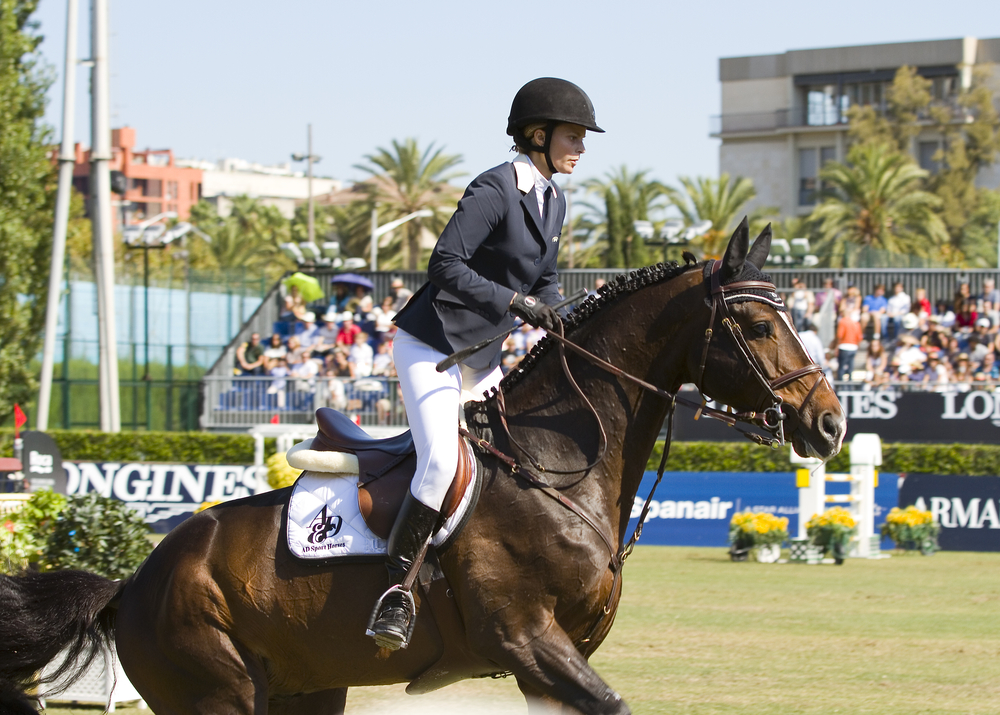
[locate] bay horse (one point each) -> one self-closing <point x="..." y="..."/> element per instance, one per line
<point x="222" y="619"/>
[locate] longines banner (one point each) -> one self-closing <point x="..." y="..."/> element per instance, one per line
<point x="164" y="494"/>
<point x="967" y="508"/>
<point x="972" y="417"/>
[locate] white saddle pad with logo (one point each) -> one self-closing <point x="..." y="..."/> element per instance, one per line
<point x="324" y="519"/>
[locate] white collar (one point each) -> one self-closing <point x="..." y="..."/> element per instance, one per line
<point x="528" y="175"/>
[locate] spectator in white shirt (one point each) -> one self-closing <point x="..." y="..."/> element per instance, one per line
<point x="361" y="356"/>
<point x="897" y="306"/>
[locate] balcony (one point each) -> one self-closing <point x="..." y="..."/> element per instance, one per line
<point x="825" y="115"/>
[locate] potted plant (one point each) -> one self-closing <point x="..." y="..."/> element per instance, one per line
<point x="760" y="532"/>
<point x="912" y="528"/>
<point x="832" y="531"/>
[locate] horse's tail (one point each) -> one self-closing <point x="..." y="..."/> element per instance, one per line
<point x="44" y="614"/>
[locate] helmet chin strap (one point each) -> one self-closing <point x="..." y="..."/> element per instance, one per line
<point x="545" y="149"/>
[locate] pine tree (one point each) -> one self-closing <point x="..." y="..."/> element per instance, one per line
<point x="27" y="201"/>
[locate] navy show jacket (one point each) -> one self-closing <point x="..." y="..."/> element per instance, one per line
<point x="494" y="245"/>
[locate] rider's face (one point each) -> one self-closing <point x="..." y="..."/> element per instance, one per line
<point x="567" y="147"/>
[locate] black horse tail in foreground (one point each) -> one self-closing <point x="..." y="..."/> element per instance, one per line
<point x="41" y="615"/>
<point x="221" y="618"/>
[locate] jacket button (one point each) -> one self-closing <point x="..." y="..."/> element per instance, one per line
<point x="537" y="261"/>
<point x="525" y="287"/>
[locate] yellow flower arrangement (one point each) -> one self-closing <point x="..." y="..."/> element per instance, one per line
<point x="279" y="474"/>
<point x="747" y="529"/>
<point x="912" y="528"/>
<point x="833" y="530"/>
<point x="837" y="515"/>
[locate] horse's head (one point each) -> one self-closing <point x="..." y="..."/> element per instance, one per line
<point x="755" y="360"/>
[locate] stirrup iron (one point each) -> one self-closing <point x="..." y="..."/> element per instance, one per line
<point x="411" y="607"/>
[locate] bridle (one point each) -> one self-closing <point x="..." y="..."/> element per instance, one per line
<point x="772" y="418"/>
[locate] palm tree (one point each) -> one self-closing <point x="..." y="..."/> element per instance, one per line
<point x="875" y="201"/>
<point x="406" y="180"/>
<point x="720" y="201"/>
<point x="249" y="238"/>
<point x="626" y="197"/>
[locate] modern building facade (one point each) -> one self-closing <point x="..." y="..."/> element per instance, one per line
<point x="154" y="182"/>
<point x="784" y="116"/>
<point x="277" y="186"/>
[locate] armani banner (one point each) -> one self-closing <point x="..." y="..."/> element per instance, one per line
<point x="967" y="508"/>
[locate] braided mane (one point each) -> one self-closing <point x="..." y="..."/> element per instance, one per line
<point x="622" y="285"/>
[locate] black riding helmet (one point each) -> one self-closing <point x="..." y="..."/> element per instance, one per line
<point x="552" y="101"/>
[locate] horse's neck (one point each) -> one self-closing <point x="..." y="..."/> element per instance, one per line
<point x="649" y="335"/>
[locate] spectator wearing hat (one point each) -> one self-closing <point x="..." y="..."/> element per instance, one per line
<point x="962" y="370"/>
<point x="306" y="330"/>
<point x="934" y="371"/>
<point x="348" y="330"/>
<point x="326" y="335"/>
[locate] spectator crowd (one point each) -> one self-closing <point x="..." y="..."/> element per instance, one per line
<point x="881" y="339"/>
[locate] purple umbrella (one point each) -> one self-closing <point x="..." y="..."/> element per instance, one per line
<point x="352" y="279"/>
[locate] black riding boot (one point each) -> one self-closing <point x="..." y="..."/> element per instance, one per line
<point x="413" y="526"/>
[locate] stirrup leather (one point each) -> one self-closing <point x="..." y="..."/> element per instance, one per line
<point x="411" y="608"/>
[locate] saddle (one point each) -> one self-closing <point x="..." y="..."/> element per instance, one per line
<point x="385" y="468"/>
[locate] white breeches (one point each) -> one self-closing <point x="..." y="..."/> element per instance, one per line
<point x="432" y="400"/>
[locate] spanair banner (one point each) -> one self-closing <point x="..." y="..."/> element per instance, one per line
<point x="164" y="494"/>
<point x="694" y="508"/>
<point x="971" y="417"/>
<point x="967" y="508"/>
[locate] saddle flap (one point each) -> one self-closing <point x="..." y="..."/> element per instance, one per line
<point x="381" y="498"/>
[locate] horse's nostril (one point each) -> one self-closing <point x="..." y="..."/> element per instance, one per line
<point x="830" y="426"/>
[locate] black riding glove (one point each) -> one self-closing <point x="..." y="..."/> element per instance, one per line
<point x="534" y="312"/>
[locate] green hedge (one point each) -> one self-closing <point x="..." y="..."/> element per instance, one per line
<point x="211" y="448"/>
<point x="970" y="459"/>
<point x="178" y="447"/>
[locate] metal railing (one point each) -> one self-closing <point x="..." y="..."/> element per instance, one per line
<point x="235" y="403"/>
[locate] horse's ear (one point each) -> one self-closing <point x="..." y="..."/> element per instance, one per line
<point x="736" y="252"/>
<point x="760" y="248"/>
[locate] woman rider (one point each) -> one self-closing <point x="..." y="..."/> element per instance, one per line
<point x="495" y="260"/>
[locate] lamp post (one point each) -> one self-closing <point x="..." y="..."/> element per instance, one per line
<point x="310" y="159"/>
<point x="379" y="231"/>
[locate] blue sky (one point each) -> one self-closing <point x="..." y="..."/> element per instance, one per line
<point x="220" y="78"/>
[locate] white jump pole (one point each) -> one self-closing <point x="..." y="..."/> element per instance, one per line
<point x="811" y="479"/>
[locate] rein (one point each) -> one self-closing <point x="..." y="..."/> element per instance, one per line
<point x="770" y="419"/>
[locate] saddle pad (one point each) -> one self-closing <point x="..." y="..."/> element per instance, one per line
<point x="324" y="520"/>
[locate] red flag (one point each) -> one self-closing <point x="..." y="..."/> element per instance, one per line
<point x="20" y="419"/>
<point x="275" y="420"/>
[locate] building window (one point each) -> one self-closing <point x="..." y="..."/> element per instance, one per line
<point x="926" y="153"/>
<point x="821" y="105"/>
<point x="811" y="160"/>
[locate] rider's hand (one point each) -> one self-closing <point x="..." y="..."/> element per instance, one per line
<point x="534" y="312"/>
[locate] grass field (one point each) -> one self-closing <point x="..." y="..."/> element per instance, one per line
<point x="698" y="634"/>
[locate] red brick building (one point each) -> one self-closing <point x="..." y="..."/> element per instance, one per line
<point x="154" y="184"/>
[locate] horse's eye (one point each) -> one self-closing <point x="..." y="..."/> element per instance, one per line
<point x="762" y="329"/>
